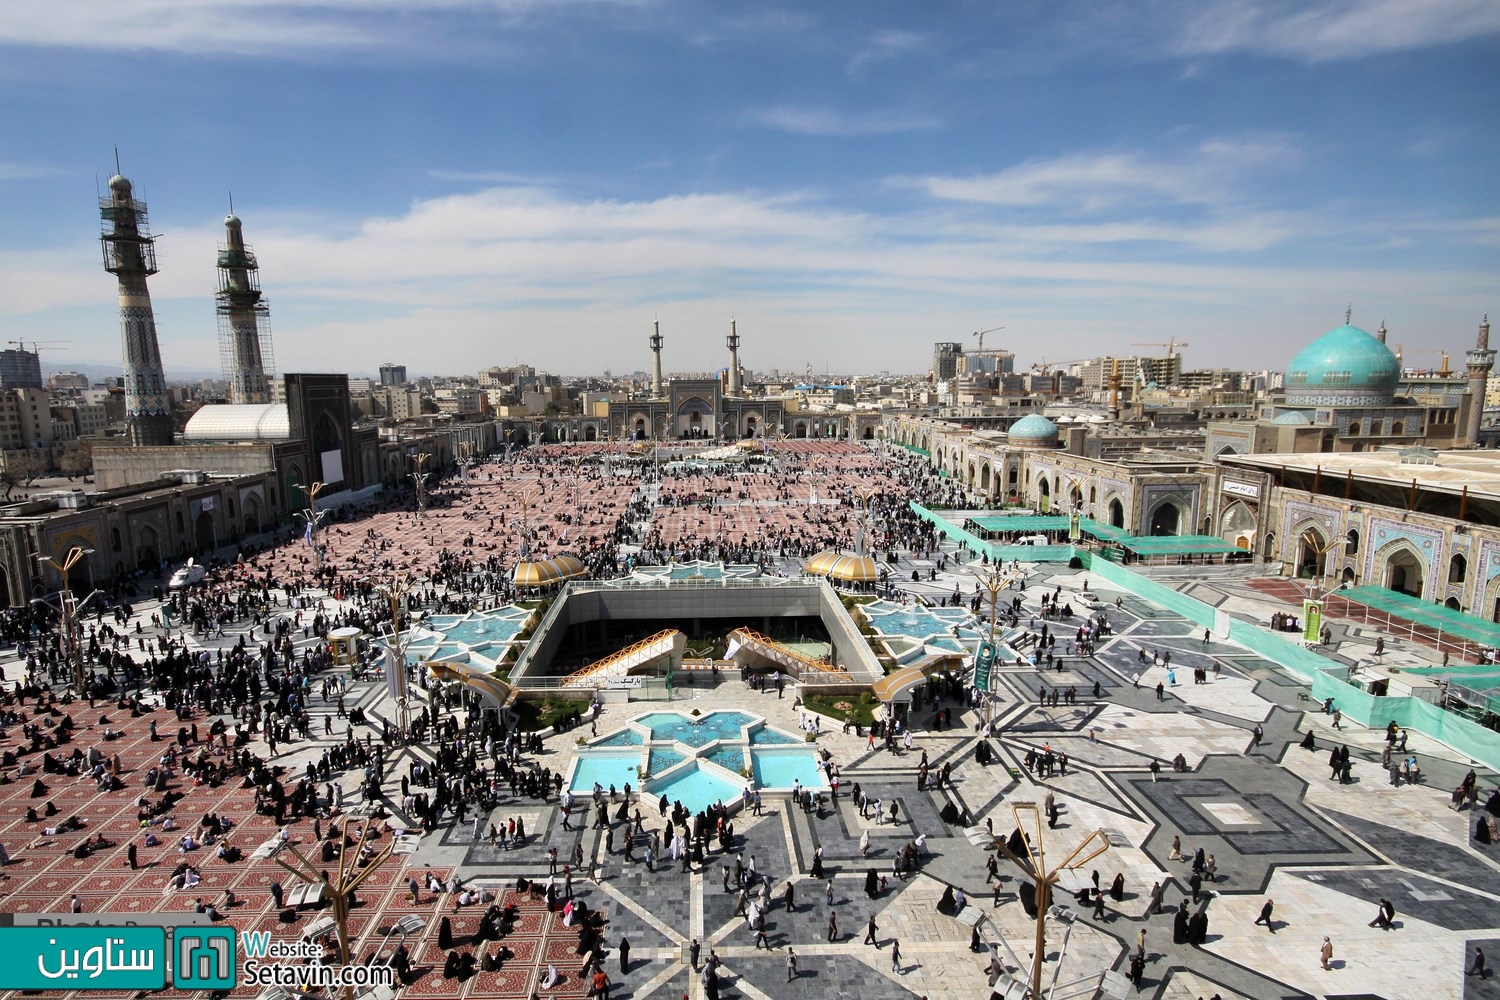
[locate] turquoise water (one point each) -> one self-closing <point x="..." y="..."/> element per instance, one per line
<point x="661" y="758"/>
<point x="695" y="732"/>
<point x="764" y="736"/>
<point x="779" y="769"/>
<point x="696" y="789"/>
<point x="732" y="758"/>
<point x="907" y="623"/>
<point x="478" y="630"/>
<point x="623" y="738"/>
<point x="606" y="769"/>
<point x="688" y="572"/>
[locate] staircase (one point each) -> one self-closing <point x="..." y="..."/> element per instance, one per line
<point x="666" y="643"/>
<point x="799" y="664"/>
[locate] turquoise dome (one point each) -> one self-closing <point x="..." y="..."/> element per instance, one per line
<point x="1344" y="367"/>
<point x="1033" y="430"/>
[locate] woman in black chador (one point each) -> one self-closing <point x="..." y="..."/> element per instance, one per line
<point x="1180" y="924"/>
<point x="1198" y="926"/>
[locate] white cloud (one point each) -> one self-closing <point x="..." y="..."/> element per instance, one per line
<point x="1095" y="181"/>
<point x="569" y="283"/>
<point x="260" y="27"/>
<point x="1334" y="29"/>
<point x="885" y="45"/>
<point x="826" y="122"/>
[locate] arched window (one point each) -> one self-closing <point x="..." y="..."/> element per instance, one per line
<point x="1397" y="427"/>
<point x="1351" y="543"/>
<point x="1354" y="429"/>
<point x="180" y="525"/>
<point x="1458" y="569"/>
<point x="114" y="539"/>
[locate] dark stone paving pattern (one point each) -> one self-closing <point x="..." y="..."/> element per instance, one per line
<point x="1246" y="856"/>
<point x="1434" y="856"/>
<point x="821" y="977"/>
<point x="1412" y="895"/>
<point x="1482" y="987"/>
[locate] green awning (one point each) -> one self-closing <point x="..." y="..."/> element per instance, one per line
<point x="1434" y="616"/>
<point x="1177" y="545"/>
<point x="1023" y="523"/>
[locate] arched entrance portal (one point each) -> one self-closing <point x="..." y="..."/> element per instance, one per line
<point x="591" y="433"/>
<point x="1403" y="572"/>
<point x="1166" y="519"/>
<point x="1312" y="554"/>
<point x="750" y="427"/>
<point x="203" y="531"/>
<point x="1238" y="527"/>
<point x="147" y="549"/>
<point x="252" y="514"/>
<point x="1044" y="495"/>
<point x="1116" y="514"/>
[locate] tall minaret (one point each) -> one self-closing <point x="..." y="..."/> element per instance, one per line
<point x="1380" y="334"/>
<point x="733" y="340"/>
<point x="656" y="360"/>
<point x="1479" y="362"/>
<point x="130" y="255"/>
<point x="243" y="342"/>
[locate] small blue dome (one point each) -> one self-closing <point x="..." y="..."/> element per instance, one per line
<point x="1292" y="418"/>
<point x="1033" y="429"/>
<point x="1344" y="367"/>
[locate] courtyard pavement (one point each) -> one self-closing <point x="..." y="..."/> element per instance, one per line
<point x="1278" y="827"/>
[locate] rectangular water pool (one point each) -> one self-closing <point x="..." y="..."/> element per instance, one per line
<point x="779" y="769"/>
<point x="607" y="769"/>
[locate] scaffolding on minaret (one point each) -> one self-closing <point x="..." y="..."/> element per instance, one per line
<point x="130" y="255"/>
<point x="244" y="320"/>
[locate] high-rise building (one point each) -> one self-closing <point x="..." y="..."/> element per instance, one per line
<point x="945" y="360"/>
<point x="392" y="375"/>
<point x="244" y="340"/>
<point x="130" y="255"/>
<point x="20" y="369"/>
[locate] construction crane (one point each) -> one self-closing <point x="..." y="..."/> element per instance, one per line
<point x="37" y="345"/>
<point x="980" y="334"/>
<point x="1401" y="357"/>
<point x="1048" y="365"/>
<point x="1171" y="345"/>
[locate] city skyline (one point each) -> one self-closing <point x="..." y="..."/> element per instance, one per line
<point x="458" y="185"/>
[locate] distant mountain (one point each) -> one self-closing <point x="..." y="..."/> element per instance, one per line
<point x="99" y="371"/>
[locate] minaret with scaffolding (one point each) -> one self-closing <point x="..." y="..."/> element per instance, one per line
<point x="244" y="334"/>
<point x="130" y="255"/>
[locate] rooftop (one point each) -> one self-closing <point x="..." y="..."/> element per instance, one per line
<point x="1453" y="471"/>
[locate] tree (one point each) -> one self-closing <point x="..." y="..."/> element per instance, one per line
<point x="28" y="467"/>
<point x="77" y="460"/>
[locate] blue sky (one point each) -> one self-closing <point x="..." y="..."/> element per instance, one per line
<point x="454" y="184"/>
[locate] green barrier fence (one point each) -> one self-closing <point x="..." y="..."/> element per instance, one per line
<point x="1001" y="553"/>
<point x="1324" y="675"/>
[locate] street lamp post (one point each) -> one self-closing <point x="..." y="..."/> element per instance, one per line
<point x="396" y="666"/>
<point x="340" y="887"/>
<point x="993" y="582"/>
<point x="314" y="518"/>
<point x="420" y="478"/>
<point x="69" y="645"/>
<point x="1034" y="866"/>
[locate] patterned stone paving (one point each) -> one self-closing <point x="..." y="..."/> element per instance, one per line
<point x="1275" y="823"/>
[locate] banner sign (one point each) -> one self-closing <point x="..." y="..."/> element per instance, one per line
<point x="1312" y="621"/>
<point x="984" y="659"/>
